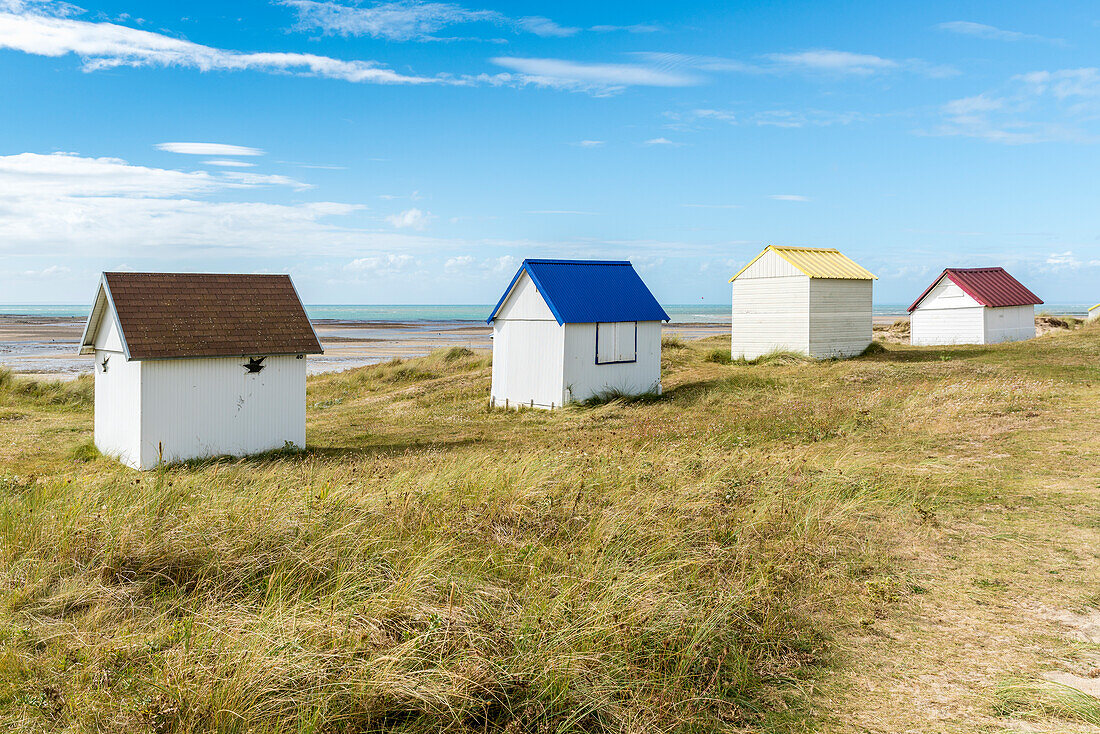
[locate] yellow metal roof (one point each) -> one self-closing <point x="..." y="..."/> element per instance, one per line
<point x="1095" y="307"/>
<point x="817" y="262"/>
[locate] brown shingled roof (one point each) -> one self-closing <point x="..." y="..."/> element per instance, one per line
<point x="165" y="315"/>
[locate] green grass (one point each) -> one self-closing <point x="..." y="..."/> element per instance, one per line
<point x="1047" y="699"/>
<point x="698" y="561"/>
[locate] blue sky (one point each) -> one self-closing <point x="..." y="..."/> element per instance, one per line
<point x="414" y="152"/>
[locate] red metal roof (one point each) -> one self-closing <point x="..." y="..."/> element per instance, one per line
<point x="992" y="287"/>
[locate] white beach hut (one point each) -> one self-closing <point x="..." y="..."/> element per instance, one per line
<point x="1094" y="312"/>
<point x="815" y="301"/>
<point x="195" y="365"/>
<point x="973" y="306"/>
<point x="567" y="330"/>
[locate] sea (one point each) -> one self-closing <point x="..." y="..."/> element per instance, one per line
<point x="680" y="312"/>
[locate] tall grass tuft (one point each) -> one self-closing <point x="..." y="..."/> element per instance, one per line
<point x="77" y="393"/>
<point x="1047" y="698"/>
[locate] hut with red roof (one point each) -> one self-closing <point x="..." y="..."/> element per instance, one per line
<point x="973" y="306"/>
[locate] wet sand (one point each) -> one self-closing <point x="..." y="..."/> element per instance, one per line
<point x="48" y="345"/>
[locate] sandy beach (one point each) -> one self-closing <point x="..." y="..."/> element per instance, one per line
<point x="48" y="345"/>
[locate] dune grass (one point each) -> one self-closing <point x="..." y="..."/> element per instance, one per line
<point x="697" y="561"/>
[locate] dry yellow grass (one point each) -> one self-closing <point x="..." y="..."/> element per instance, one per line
<point x="884" y="543"/>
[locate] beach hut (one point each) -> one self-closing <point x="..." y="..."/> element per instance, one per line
<point x="568" y="330"/>
<point x="1094" y="312"/>
<point x="194" y="365"/>
<point x="814" y="301"/>
<point x="973" y="306"/>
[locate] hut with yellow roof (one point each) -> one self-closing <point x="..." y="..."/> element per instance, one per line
<point x="814" y="301"/>
<point x="1094" y="312"/>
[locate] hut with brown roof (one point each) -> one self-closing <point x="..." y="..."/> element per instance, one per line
<point x="194" y="365"/>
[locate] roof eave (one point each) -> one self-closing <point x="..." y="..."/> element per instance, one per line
<point x="538" y="286"/>
<point x="88" y="347"/>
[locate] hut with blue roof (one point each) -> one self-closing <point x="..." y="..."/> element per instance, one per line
<point x="569" y="330"/>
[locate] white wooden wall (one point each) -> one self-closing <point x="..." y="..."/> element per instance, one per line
<point x="117" y="412"/>
<point x="1009" y="324"/>
<point x="840" y="317"/>
<point x="942" y="326"/>
<point x="584" y="378"/>
<point x="528" y="348"/>
<point x="195" y="408"/>
<point x="1093" y="314"/>
<point x="770" y="302"/>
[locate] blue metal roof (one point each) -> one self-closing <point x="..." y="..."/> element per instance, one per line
<point x="587" y="291"/>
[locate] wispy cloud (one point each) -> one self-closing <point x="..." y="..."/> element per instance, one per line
<point x="66" y="203"/>
<point x="789" y="197"/>
<point x="208" y="149"/>
<point x="410" y="20"/>
<point x="661" y="141"/>
<point x="846" y="63"/>
<point x="589" y="143"/>
<point x="411" y="219"/>
<point x="635" y="28"/>
<point x="545" y="27"/>
<point x="108" y="45"/>
<point x="381" y="266"/>
<point x="225" y="163"/>
<point x="69" y="175"/>
<point x="981" y="30"/>
<point x="692" y="120"/>
<point x="396" y="21"/>
<point x="839" y="62"/>
<point x="1063" y="260"/>
<point x="1037" y="107"/>
<point x="588" y="76"/>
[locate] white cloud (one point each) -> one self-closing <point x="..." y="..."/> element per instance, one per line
<point x="411" y="219"/>
<point x="208" y="149"/>
<point x="723" y="115"/>
<point x="589" y="143"/>
<point x="48" y="272"/>
<point x="980" y="30"/>
<point x="586" y="76"/>
<point x="225" y="163"/>
<point x="846" y="63"/>
<point x="661" y="141"/>
<point x="261" y="179"/>
<point x="1062" y="260"/>
<point x="381" y="265"/>
<point x="407" y="21"/>
<point x="65" y="203"/>
<point x="396" y="21"/>
<point x="634" y="28"/>
<point x="690" y="121"/>
<point x="545" y="27"/>
<point x="108" y="45"/>
<point x="505" y="264"/>
<point x="460" y="262"/>
<point x="1036" y="107"/>
<point x="789" y="197"/>
<point x="1064" y="84"/>
<point x="69" y="175"/>
<point x="838" y="62"/>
